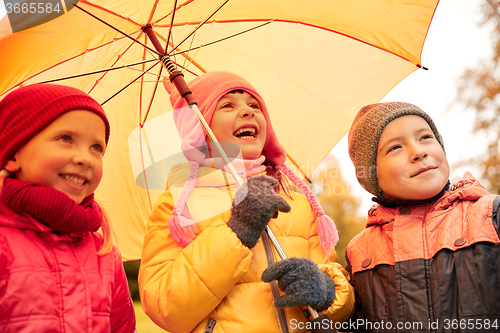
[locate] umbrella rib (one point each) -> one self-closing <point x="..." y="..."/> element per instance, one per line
<point x="99" y="71"/>
<point x="160" y="19"/>
<point x="222" y="39"/>
<point x="115" y="62"/>
<point x="187" y="54"/>
<point x="109" y="11"/>
<point x="118" y="30"/>
<point x="191" y="60"/>
<point x="200" y="25"/>
<point x="152" y="96"/>
<point x="186" y="69"/>
<point x="152" y="12"/>
<point x="137" y="78"/>
<point x="171" y="24"/>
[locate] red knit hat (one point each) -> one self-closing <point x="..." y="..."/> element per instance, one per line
<point x="28" y="110"/>
<point x="207" y="90"/>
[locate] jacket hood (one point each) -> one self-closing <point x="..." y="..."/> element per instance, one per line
<point x="467" y="188"/>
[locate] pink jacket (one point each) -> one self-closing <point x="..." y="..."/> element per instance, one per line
<point x="57" y="283"/>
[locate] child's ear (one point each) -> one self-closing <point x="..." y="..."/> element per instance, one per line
<point x="12" y="165"/>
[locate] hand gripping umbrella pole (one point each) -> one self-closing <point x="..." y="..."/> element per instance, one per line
<point x="177" y="79"/>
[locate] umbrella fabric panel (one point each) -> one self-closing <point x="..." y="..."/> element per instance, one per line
<point x="397" y="27"/>
<point x="314" y="75"/>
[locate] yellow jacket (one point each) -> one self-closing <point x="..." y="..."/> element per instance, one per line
<point x="216" y="276"/>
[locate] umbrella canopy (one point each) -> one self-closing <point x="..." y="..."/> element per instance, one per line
<point x="315" y="63"/>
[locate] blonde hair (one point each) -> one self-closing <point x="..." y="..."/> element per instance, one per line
<point x="108" y="234"/>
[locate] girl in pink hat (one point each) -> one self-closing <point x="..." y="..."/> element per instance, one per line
<point x="206" y="264"/>
<point x="57" y="273"/>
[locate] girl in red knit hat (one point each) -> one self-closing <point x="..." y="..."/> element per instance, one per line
<point x="58" y="273"/>
<point x="206" y="264"/>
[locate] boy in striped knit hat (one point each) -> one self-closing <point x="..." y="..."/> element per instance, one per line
<point x="429" y="258"/>
<point x="205" y="257"/>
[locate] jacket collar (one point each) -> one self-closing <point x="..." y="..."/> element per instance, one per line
<point x="467" y="188"/>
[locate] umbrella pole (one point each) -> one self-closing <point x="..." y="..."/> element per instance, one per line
<point x="177" y="78"/>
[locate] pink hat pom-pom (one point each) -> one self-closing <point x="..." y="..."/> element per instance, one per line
<point x="182" y="229"/>
<point x="328" y="234"/>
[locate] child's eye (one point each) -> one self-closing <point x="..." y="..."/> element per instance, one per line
<point x="226" y="106"/>
<point x="254" y="106"/>
<point x="98" y="148"/>
<point x="426" y="136"/>
<point x="65" y="138"/>
<point x="393" y="148"/>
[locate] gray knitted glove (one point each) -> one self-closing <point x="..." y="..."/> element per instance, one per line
<point x="302" y="282"/>
<point x="256" y="204"/>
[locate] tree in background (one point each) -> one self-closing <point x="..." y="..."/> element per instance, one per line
<point x="337" y="202"/>
<point x="479" y="89"/>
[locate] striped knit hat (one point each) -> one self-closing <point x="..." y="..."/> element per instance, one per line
<point x="28" y="110"/>
<point x="365" y="133"/>
<point x="208" y="89"/>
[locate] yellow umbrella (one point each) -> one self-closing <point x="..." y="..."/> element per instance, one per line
<point x="314" y="62"/>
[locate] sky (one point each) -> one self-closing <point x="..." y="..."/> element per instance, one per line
<point x="454" y="42"/>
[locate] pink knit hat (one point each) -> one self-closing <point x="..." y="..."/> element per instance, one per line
<point x="28" y="110"/>
<point x="207" y="90"/>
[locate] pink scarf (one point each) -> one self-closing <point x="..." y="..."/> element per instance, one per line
<point x="52" y="207"/>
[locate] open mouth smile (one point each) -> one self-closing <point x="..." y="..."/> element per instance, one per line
<point x="246" y="133"/>
<point x="74" y="180"/>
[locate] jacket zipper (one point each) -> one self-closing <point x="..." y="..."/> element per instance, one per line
<point x="274" y="285"/>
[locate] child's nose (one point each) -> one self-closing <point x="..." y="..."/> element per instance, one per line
<point x="419" y="153"/>
<point x="83" y="158"/>
<point x="246" y="111"/>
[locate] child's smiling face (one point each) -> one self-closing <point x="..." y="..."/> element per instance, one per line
<point x="238" y="119"/>
<point x="411" y="164"/>
<point x="66" y="155"/>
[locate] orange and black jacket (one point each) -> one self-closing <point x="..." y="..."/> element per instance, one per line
<point x="429" y="268"/>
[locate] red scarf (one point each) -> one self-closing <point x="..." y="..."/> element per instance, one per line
<point x="52" y="207"/>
